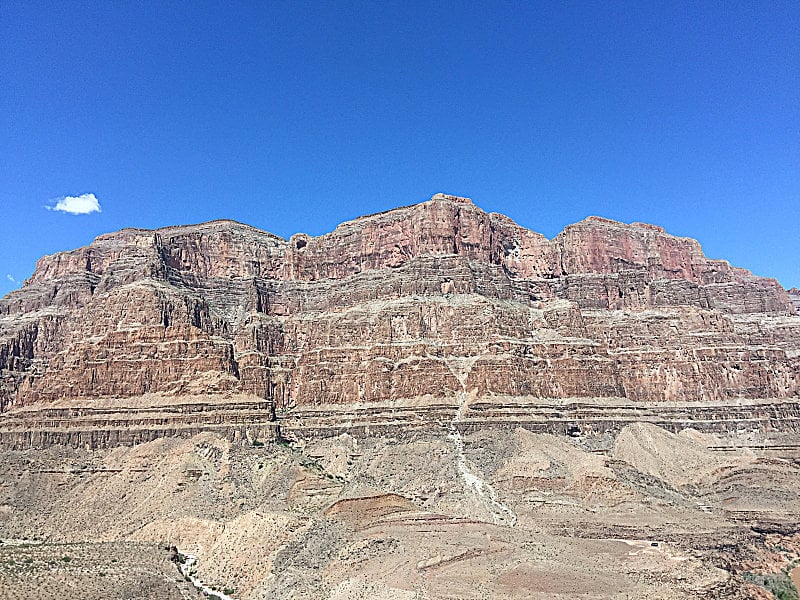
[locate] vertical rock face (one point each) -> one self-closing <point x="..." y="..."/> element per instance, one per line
<point x="383" y="307"/>
<point x="794" y="296"/>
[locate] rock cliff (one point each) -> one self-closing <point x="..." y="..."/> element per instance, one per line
<point x="461" y="408"/>
<point x="419" y="311"/>
<point x="794" y="296"/>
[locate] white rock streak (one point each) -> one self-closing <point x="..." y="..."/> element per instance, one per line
<point x="501" y="514"/>
<point x="188" y="568"/>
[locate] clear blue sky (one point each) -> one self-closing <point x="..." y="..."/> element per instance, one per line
<point x="294" y="116"/>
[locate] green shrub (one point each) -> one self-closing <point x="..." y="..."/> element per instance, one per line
<point x="779" y="584"/>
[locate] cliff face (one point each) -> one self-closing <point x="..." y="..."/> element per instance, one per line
<point x="430" y="301"/>
<point x="794" y="296"/>
<point x="414" y="365"/>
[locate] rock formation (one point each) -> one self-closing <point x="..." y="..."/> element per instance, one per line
<point x="794" y="296"/>
<point x="460" y="408"/>
<point x="408" y="307"/>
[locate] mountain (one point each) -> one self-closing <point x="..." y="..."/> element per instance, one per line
<point x="429" y="368"/>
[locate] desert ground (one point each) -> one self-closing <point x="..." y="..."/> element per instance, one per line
<point x="503" y="514"/>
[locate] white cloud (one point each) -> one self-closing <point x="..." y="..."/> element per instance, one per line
<point x="11" y="278"/>
<point x="77" y="205"/>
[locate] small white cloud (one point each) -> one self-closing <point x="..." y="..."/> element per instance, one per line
<point x="77" y="205"/>
<point x="11" y="278"/>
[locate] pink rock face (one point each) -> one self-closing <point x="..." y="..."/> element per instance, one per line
<point x="383" y="307"/>
<point x="598" y="245"/>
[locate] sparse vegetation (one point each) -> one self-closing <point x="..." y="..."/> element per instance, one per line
<point x="281" y="441"/>
<point x="312" y="465"/>
<point x="41" y="570"/>
<point x="779" y="584"/>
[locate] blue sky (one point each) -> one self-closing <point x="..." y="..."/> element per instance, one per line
<point x="294" y="116"/>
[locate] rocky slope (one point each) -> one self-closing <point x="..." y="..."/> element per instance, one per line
<point x="504" y="514"/>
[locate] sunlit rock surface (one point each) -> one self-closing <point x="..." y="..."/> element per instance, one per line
<point x="431" y="402"/>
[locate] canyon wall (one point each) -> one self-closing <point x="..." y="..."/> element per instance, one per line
<point x="414" y="307"/>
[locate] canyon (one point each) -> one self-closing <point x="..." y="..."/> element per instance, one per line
<point x="430" y="402"/>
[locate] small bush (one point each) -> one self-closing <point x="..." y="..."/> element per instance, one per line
<point x="779" y="584"/>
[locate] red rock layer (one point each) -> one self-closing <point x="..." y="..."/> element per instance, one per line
<point x="431" y="299"/>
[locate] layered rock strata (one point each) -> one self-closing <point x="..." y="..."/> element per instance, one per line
<point x="430" y="314"/>
<point x="794" y="296"/>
